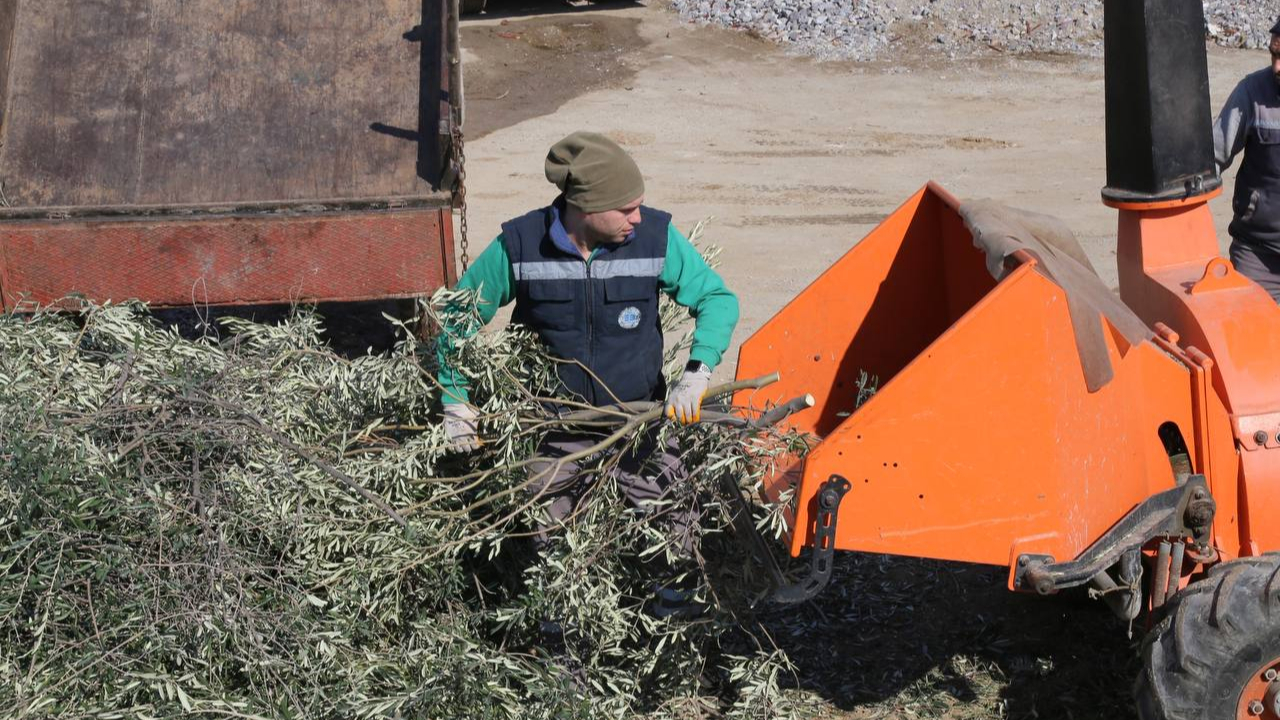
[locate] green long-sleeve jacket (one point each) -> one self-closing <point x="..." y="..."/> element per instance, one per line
<point x="686" y="278"/>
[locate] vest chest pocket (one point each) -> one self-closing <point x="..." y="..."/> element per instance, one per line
<point x="630" y="303"/>
<point x="551" y="304"/>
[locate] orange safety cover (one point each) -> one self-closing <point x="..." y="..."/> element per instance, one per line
<point x="982" y="439"/>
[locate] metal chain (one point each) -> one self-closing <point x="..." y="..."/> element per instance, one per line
<point x="461" y="190"/>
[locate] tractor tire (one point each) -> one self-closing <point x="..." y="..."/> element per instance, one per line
<point x="1210" y="656"/>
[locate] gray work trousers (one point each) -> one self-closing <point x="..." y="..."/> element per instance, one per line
<point x="1259" y="264"/>
<point x="645" y="475"/>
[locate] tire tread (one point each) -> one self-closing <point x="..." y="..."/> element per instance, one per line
<point x="1185" y="653"/>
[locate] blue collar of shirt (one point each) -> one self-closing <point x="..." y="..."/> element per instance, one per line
<point x="560" y="236"/>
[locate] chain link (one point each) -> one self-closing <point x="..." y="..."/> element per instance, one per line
<point x="461" y="189"/>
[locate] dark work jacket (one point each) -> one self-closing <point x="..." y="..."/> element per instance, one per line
<point x="602" y="314"/>
<point x="1256" y="203"/>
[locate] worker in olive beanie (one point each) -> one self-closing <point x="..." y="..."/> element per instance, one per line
<point x="585" y="274"/>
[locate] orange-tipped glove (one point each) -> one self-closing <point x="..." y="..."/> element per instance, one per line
<point x="460" y="427"/>
<point x="684" y="401"/>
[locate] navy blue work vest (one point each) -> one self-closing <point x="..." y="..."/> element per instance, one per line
<point x="1256" y="203"/>
<point x="602" y="314"/>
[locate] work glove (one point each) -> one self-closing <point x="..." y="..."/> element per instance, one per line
<point x="460" y="427"/>
<point x="684" y="401"/>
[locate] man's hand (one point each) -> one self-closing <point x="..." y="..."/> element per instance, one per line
<point x="684" y="402"/>
<point x="460" y="427"/>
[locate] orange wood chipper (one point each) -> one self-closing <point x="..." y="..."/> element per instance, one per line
<point x="1024" y="419"/>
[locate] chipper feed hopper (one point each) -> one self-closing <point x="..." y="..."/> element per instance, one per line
<point x="1026" y="417"/>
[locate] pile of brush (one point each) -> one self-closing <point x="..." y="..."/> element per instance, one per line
<point x="250" y="526"/>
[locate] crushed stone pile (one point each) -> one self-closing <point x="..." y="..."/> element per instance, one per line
<point x="866" y="30"/>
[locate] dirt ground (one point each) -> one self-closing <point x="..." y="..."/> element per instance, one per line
<point x="796" y="161"/>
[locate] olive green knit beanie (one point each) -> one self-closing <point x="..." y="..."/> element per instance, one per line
<point x="593" y="172"/>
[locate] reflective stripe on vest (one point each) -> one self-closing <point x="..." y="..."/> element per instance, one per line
<point x="576" y="270"/>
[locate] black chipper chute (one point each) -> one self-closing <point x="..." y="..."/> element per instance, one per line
<point x="1159" y="136"/>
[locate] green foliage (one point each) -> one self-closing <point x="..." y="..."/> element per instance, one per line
<point x="209" y="527"/>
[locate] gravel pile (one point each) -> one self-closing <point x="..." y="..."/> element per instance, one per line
<point x="870" y="29"/>
<point x="1244" y="24"/>
<point x="829" y="29"/>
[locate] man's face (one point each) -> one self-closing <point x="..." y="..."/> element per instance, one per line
<point x="613" y="226"/>
<point x="1275" y="56"/>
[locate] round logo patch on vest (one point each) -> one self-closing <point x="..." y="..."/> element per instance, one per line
<point x="629" y="319"/>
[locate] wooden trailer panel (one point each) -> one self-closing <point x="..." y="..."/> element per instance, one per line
<point x="158" y="102"/>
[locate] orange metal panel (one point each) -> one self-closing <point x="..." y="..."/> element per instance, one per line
<point x="1170" y="271"/>
<point x="1210" y="441"/>
<point x="873" y="310"/>
<point x="991" y="439"/>
<point x="982" y="438"/>
<point x="228" y="260"/>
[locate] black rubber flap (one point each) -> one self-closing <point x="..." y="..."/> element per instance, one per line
<point x="1159" y="137"/>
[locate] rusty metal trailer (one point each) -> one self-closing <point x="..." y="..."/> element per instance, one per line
<point x="226" y="152"/>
